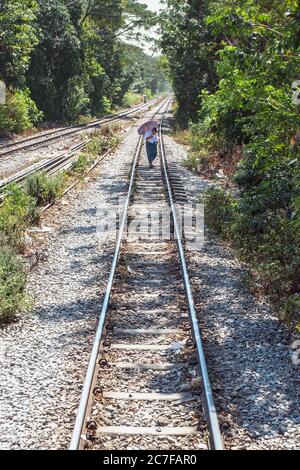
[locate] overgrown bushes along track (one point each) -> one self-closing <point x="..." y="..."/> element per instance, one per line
<point x="234" y="80"/>
<point x="21" y="209"/>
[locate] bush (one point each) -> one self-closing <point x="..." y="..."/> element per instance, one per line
<point x="202" y="143"/>
<point x="290" y="311"/>
<point x="77" y="101"/>
<point x="19" y="113"/>
<point x="101" y="143"/>
<point x="220" y="211"/>
<point x="16" y="213"/>
<point x="182" y="136"/>
<point x="264" y="237"/>
<point x="148" y="93"/>
<point x="12" y="284"/>
<point x="132" y="99"/>
<point x="44" y="189"/>
<point x="80" y="165"/>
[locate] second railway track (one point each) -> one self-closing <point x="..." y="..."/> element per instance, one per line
<point x="147" y="384"/>
<point x="43" y="138"/>
<point x="63" y="161"/>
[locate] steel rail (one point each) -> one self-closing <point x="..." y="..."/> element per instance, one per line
<point x="80" y="418"/>
<point x="44" y="165"/>
<point x="66" y="131"/>
<point x="215" y="437"/>
<point x="91" y="168"/>
<point x="55" y="164"/>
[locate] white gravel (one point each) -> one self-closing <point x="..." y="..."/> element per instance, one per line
<point x="22" y="159"/>
<point x="44" y="356"/>
<point x="255" y="382"/>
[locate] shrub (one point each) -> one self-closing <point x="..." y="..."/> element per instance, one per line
<point x="101" y="143"/>
<point x="80" y="165"/>
<point x="77" y="101"/>
<point x="16" y="213"/>
<point x="84" y="119"/>
<point x="148" y="93"/>
<point x="182" y="136"/>
<point x="19" y="113"/>
<point x="44" y="189"/>
<point x="220" y="211"/>
<point x="202" y="144"/>
<point x="98" y="145"/>
<point x="266" y="238"/>
<point x="12" y="284"/>
<point x="132" y="99"/>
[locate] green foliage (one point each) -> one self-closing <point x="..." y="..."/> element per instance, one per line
<point x="201" y="144"/>
<point x="80" y="165"/>
<point x="17" y="211"/>
<point x="132" y="99"/>
<point x="44" y="189"/>
<point x="144" y="74"/>
<point x="12" y="284"/>
<point x="241" y="96"/>
<point x="98" y="145"/>
<point x="70" y="55"/>
<point x="220" y="211"/>
<point x="183" y="136"/>
<point x="190" y="64"/>
<point x="17" y="39"/>
<point x="19" y="113"/>
<point x="269" y="242"/>
<point x="56" y="62"/>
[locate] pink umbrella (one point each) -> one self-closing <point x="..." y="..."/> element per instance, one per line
<point x="148" y="126"/>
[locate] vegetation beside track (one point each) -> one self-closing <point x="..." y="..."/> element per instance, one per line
<point x="21" y="209"/>
<point x="233" y="83"/>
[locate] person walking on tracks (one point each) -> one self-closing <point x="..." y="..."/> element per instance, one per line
<point x="151" y="145"/>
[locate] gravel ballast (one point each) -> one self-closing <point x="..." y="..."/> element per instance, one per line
<point x="44" y="356"/>
<point x="249" y="355"/>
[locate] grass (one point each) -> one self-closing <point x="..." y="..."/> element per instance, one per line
<point x="80" y="165"/>
<point x="43" y="189"/>
<point x="13" y="299"/>
<point x="131" y="99"/>
<point x="21" y="209"/>
<point x="108" y="138"/>
<point x="182" y="136"/>
<point x="17" y="212"/>
<point x="84" y="119"/>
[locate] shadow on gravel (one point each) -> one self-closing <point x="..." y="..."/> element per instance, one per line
<point x="247" y="351"/>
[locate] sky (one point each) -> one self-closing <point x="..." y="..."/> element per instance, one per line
<point x="152" y="4"/>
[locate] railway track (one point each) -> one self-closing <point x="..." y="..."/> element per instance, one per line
<point x="147" y="384"/>
<point x="64" y="160"/>
<point x="42" y="139"/>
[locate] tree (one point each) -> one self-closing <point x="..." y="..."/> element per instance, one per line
<point x="184" y="35"/>
<point x="17" y="39"/>
<point x="55" y="68"/>
<point x="143" y="71"/>
<point x="69" y="53"/>
<point x="242" y="99"/>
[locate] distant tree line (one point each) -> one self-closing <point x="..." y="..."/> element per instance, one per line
<point x="64" y="58"/>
